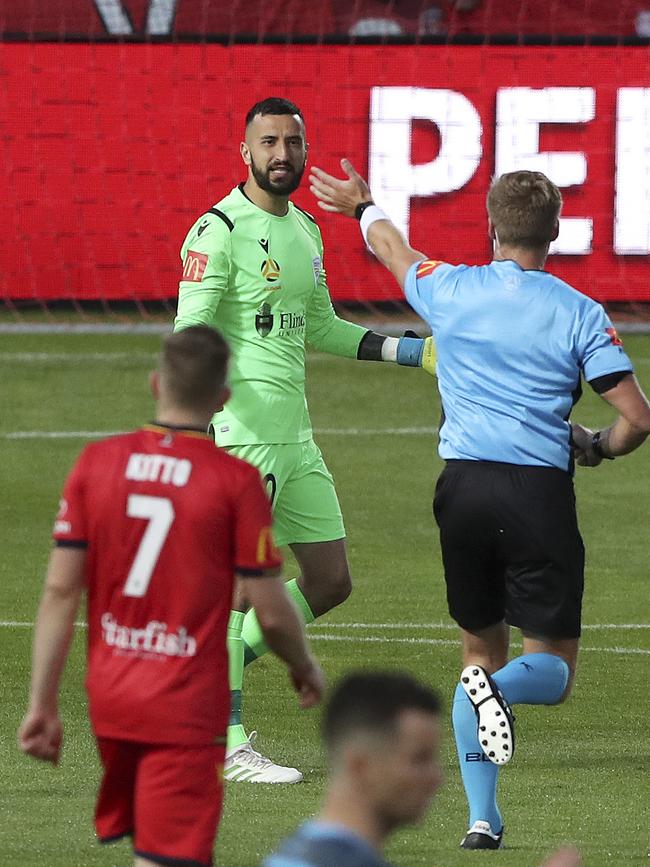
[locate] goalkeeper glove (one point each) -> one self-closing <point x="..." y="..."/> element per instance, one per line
<point x="414" y="351"/>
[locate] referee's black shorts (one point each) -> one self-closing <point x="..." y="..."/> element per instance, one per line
<point x="511" y="547"/>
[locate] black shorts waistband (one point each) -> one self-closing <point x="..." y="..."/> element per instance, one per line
<point x="524" y="468"/>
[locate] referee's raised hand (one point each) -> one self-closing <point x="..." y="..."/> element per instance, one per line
<point x="337" y="195"/>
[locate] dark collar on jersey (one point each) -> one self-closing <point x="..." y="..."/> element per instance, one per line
<point x="240" y="187"/>
<point x="160" y="426"/>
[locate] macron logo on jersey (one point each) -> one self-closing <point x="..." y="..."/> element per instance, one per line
<point x="194" y="266"/>
<point x="154" y="638"/>
<point x="158" y="468"/>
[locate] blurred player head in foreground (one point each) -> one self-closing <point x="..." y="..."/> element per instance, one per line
<point x="523" y="211"/>
<point x="382" y="735"/>
<point x="274" y="149"/>
<point x="189" y="384"/>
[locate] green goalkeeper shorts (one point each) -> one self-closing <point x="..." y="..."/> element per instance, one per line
<point x="301" y="490"/>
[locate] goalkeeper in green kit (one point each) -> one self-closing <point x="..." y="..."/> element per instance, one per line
<point x="253" y="268"/>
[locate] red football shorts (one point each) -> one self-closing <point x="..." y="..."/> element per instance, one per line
<point x="168" y="798"/>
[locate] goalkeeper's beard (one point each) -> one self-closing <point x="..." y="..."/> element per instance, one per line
<point x="284" y="188"/>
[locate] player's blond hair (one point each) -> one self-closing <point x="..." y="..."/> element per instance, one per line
<point x="193" y="366"/>
<point x="524" y="208"/>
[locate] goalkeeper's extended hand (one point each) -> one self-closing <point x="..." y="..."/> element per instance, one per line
<point x="414" y="351"/>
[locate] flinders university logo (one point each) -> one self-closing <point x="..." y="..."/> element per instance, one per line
<point x="264" y="320"/>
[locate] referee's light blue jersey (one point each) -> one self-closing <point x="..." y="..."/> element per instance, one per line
<point x="512" y="345"/>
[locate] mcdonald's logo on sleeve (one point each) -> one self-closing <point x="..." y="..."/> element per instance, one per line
<point x="427" y="267"/>
<point x="265" y="549"/>
<point x="194" y="266"/>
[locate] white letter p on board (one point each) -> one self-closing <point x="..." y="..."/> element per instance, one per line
<point x="391" y="175"/>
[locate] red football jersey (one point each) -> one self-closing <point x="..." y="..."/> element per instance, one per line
<point x="167" y="519"/>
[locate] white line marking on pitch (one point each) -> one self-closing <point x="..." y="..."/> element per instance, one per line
<point x="313" y="626"/>
<point x="71" y="357"/>
<point x="380" y="639"/>
<point x="453" y="626"/>
<point x="102" y="356"/>
<point x="366" y="431"/>
<point x="27" y="624"/>
<point x="139" y="355"/>
<point x="98" y="434"/>
<point x="58" y="434"/>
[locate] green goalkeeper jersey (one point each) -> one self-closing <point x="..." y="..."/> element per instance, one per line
<point x="259" y="279"/>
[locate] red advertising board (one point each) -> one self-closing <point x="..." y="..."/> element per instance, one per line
<point x="111" y="151"/>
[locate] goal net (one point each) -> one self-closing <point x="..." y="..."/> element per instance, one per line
<point x="122" y="120"/>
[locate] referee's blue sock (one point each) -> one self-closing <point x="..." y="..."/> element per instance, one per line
<point x="478" y="773"/>
<point x="534" y="678"/>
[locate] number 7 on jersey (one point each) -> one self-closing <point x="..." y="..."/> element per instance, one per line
<point x="159" y="512"/>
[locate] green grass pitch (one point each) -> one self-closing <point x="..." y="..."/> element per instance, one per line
<point x="581" y="772"/>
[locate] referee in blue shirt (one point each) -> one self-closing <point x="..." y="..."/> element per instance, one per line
<point x="513" y="344"/>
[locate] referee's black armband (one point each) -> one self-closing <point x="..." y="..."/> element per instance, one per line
<point x="370" y="347"/>
<point x="603" y="383"/>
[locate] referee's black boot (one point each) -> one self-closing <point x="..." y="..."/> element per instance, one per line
<point x="481" y="836"/>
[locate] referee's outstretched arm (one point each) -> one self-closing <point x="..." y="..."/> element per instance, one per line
<point x="353" y="198"/>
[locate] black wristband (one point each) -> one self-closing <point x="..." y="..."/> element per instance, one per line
<point x="597" y="448"/>
<point x="369" y="348"/>
<point x="361" y="207"/>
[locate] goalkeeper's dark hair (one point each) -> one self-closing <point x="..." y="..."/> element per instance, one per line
<point x="193" y="366"/>
<point x="273" y="105"/>
<point x="370" y="703"/>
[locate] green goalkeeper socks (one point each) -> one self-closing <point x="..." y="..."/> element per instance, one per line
<point x="246" y="643"/>
<point x="236" y="733"/>
<point x="251" y="634"/>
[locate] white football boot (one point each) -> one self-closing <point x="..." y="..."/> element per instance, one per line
<point x="245" y="765"/>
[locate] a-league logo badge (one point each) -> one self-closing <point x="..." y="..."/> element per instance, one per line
<point x="264" y="320"/>
<point x="270" y="269"/>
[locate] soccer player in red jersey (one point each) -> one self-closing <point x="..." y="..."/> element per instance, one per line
<point x="155" y="525"/>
